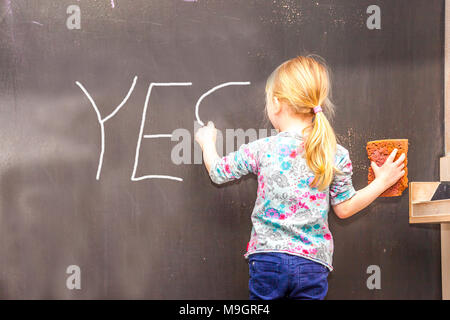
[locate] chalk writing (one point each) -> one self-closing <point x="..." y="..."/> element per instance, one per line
<point x="183" y="148"/>
<point x="102" y="121"/>
<point x="141" y="131"/>
<point x="211" y="91"/>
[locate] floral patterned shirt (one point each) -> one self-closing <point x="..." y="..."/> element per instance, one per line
<point x="289" y="216"/>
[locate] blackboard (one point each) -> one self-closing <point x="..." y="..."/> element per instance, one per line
<point x="172" y="239"/>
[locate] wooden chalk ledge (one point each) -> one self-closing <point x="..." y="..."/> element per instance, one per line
<point x="429" y="202"/>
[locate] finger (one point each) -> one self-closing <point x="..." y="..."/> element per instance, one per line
<point x="211" y="124"/>
<point x="374" y="166"/>
<point x="401" y="166"/>
<point x="400" y="159"/>
<point x="392" y="156"/>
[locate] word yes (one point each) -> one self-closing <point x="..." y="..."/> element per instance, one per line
<point x="142" y="136"/>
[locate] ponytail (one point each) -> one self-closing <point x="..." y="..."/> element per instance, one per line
<point x="320" y="148"/>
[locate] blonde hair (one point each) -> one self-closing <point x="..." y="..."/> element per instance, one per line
<point x="304" y="83"/>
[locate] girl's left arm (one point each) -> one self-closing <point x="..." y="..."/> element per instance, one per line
<point x="346" y="202"/>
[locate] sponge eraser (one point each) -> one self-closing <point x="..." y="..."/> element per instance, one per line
<point x="378" y="151"/>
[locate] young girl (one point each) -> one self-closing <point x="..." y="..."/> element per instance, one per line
<point x="300" y="171"/>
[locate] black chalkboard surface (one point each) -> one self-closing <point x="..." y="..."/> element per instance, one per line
<point x="73" y="193"/>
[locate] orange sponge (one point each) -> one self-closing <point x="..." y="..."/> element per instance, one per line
<point x="378" y="151"/>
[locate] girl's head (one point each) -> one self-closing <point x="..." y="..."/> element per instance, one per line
<point x="292" y="91"/>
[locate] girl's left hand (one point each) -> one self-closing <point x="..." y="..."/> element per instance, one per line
<point x="206" y="135"/>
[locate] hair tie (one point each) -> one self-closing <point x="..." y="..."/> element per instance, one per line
<point x="317" y="109"/>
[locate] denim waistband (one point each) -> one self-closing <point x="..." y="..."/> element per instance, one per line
<point x="284" y="258"/>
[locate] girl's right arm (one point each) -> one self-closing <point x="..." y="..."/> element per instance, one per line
<point x="206" y="138"/>
<point x="234" y="165"/>
<point x="385" y="176"/>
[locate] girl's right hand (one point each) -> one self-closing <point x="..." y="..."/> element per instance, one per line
<point x="391" y="171"/>
<point x="206" y="135"/>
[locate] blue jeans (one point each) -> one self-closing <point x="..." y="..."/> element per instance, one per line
<point x="276" y="275"/>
